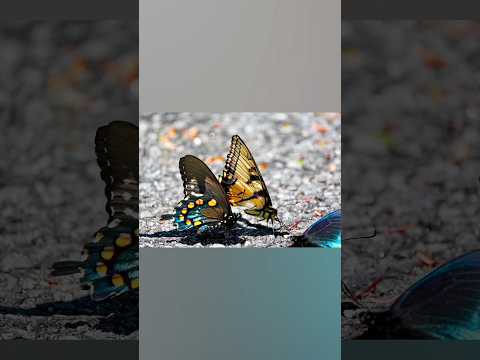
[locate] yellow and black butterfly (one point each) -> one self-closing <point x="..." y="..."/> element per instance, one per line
<point x="244" y="184"/>
<point x="205" y="204"/>
<point x="111" y="262"/>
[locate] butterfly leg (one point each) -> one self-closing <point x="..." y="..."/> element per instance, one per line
<point x="202" y="230"/>
<point x="226" y="232"/>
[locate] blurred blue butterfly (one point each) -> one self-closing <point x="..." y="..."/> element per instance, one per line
<point x="326" y="232"/>
<point x="444" y="304"/>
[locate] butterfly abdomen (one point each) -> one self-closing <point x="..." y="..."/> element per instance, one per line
<point x="62" y="268"/>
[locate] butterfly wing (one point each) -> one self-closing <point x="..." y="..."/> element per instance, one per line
<point x="111" y="265"/>
<point x="116" y="146"/>
<point x="242" y="179"/>
<point x="205" y="201"/>
<point x="326" y="232"/>
<point x="445" y="304"/>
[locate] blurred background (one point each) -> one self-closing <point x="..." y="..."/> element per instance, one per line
<point x="411" y="155"/>
<point x="59" y="81"/>
<point x="297" y="153"/>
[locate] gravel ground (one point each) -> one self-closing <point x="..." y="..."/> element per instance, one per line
<point x="58" y="83"/>
<point x="298" y="153"/>
<point x="411" y="157"/>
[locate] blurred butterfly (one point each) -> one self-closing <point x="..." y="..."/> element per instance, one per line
<point x="110" y="267"/>
<point x="205" y="204"/>
<point x="326" y="232"/>
<point x="444" y="304"/>
<point x="244" y="184"/>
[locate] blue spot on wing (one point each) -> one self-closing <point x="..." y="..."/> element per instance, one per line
<point x="445" y="304"/>
<point x="326" y="232"/>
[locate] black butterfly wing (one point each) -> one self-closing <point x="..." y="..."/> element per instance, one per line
<point x="445" y="304"/>
<point x="111" y="265"/>
<point x="242" y="179"/>
<point x="205" y="200"/>
<point x="116" y="146"/>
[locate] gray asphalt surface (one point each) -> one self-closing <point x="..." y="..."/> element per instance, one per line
<point x="411" y="159"/>
<point x="59" y="82"/>
<point x="299" y="156"/>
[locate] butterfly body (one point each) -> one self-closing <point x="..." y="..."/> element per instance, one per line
<point x="111" y="265"/>
<point x="243" y="182"/>
<point x="205" y="205"/>
<point x="444" y="304"/>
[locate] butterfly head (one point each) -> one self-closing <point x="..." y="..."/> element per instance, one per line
<point x="268" y="214"/>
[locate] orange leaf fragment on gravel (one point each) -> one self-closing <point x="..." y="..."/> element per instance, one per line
<point x="215" y="159"/>
<point x="426" y="259"/>
<point x="432" y="60"/>
<point x="319" y="213"/>
<point x="263" y="166"/>
<point x="191" y="134"/>
<point x="320" y="128"/>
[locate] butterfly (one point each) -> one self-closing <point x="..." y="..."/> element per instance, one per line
<point x="444" y="304"/>
<point x="205" y="204"/>
<point x="243" y="182"/>
<point x="326" y="232"/>
<point x="111" y="264"/>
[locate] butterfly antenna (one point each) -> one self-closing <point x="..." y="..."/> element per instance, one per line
<point x="282" y="224"/>
<point x="366" y="236"/>
<point x="349" y="293"/>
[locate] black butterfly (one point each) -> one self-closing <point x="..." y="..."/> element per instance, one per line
<point x="444" y="304"/>
<point x="205" y="204"/>
<point x="111" y="263"/>
<point x="244" y="184"/>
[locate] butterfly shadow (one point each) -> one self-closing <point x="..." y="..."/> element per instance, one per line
<point x="218" y="234"/>
<point x="117" y="315"/>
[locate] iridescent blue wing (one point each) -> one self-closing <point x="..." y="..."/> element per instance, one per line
<point x="445" y="304"/>
<point x="325" y="232"/>
<point x="205" y="203"/>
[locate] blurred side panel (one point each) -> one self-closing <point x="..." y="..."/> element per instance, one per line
<point x="410" y="166"/>
<point x="60" y="81"/>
